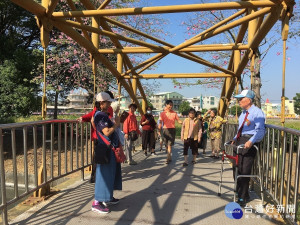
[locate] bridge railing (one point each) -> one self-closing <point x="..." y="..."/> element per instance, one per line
<point x="34" y="154"/>
<point x="280" y="161"/>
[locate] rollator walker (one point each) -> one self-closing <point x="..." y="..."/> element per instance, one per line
<point x="236" y="158"/>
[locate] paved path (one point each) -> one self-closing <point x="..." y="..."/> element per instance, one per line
<point x="153" y="193"/>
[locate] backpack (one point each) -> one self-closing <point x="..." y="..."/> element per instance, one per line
<point x="123" y="116"/>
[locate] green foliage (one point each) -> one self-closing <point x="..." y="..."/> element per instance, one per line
<point x="184" y="107"/>
<point x="297" y="103"/>
<point x="232" y="110"/>
<point x="18" y="58"/>
<point x="203" y="111"/>
<point x="17" y="96"/>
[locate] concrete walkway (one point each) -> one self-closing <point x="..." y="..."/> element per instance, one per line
<point x="153" y="193"/>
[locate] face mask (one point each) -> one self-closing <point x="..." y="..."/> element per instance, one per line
<point x="149" y="112"/>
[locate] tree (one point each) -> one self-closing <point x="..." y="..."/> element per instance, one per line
<point x="18" y="58"/>
<point x="17" y="98"/>
<point x="69" y="66"/>
<point x="232" y="110"/>
<point x="184" y="107"/>
<point x="297" y="103"/>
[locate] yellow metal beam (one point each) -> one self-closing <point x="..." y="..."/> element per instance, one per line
<point x="104" y="4"/>
<point x="89" y="46"/>
<point x="126" y="59"/>
<point x="189" y="55"/>
<point x="128" y="62"/>
<point x="193" y="48"/>
<point x="180" y="75"/>
<point x="149" y="64"/>
<point x="166" y="9"/>
<point x="109" y="34"/>
<point x="239" y="38"/>
<point x="222" y="29"/>
<point x="284" y="35"/>
<point x="51" y="7"/>
<point x="95" y="41"/>
<point x="258" y="37"/>
<point x="219" y="24"/>
<point x="73" y="7"/>
<point x="144" y="63"/>
<point x="120" y="70"/>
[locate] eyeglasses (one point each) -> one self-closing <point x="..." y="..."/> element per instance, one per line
<point x="240" y="99"/>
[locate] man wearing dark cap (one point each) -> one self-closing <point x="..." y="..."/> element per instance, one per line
<point x="251" y="131"/>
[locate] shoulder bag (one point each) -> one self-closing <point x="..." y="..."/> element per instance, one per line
<point x="119" y="153"/>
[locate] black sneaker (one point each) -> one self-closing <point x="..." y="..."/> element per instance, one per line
<point x="185" y="164"/>
<point x="92" y="179"/>
<point x="241" y="202"/>
<point x="114" y="201"/>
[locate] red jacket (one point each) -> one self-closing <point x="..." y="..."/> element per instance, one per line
<point x="130" y="124"/>
<point x="149" y="126"/>
<point x="88" y="117"/>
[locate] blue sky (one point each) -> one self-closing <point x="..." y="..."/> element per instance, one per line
<point x="271" y="72"/>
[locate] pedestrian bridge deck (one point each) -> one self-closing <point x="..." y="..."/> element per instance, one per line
<point x="153" y="193"/>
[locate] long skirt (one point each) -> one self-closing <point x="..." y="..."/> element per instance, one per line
<point x="108" y="179"/>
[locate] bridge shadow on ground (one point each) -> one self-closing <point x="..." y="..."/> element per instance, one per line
<point x="153" y="193"/>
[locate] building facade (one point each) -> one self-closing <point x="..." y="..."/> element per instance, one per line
<point x="210" y="102"/>
<point x="124" y="103"/>
<point x="195" y="103"/>
<point x="78" y="100"/>
<point x="158" y="100"/>
<point x="274" y="109"/>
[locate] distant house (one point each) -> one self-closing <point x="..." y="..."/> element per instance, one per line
<point x="158" y="100"/>
<point x="78" y="100"/>
<point x="124" y="102"/>
<point x="210" y="102"/>
<point x="195" y="103"/>
<point x="77" y="104"/>
<point x="274" y="109"/>
<point x="289" y="107"/>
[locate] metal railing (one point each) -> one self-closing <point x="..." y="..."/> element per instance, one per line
<point x="280" y="161"/>
<point x="57" y="147"/>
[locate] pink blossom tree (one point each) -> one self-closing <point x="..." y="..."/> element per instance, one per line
<point x="69" y="66"/>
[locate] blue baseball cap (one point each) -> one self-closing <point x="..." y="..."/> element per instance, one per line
<point x="246" y="93"/>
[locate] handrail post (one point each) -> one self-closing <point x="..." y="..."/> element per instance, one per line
<point x="3" y="185"/>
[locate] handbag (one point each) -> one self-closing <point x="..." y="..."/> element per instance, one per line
<point x="133" y="135"/>
<point x="102" y="154"/>
<point x="119" y="153"/>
